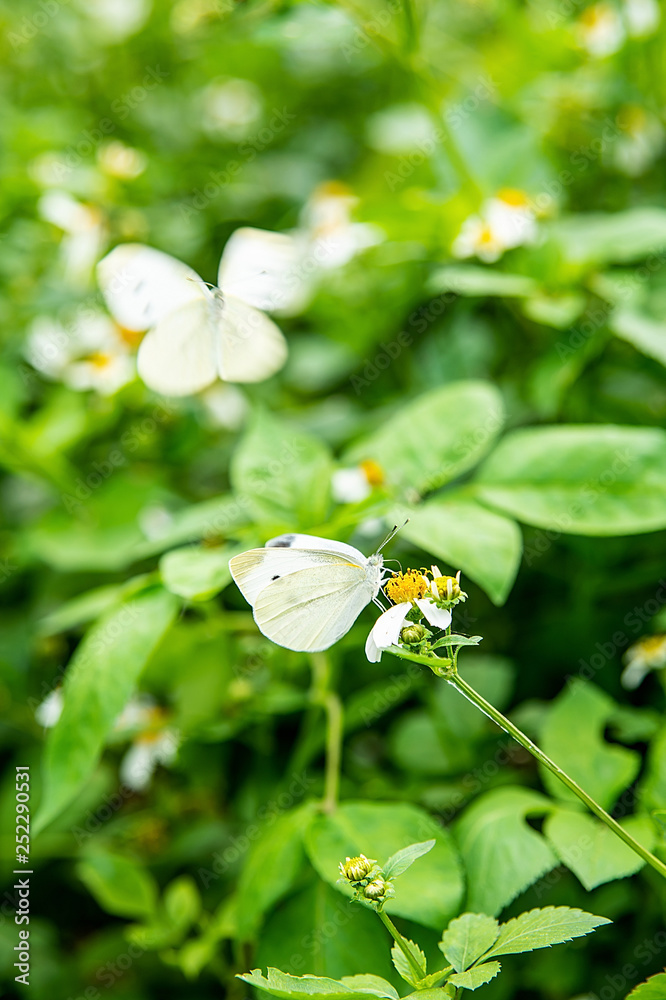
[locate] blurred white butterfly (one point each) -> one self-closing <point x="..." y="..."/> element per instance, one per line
<point x="306" y="592"/>
<point x="195" y="333"/>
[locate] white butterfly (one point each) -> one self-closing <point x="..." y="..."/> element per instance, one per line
<point x="195" y="334"/>
<point x="307" y="592"/>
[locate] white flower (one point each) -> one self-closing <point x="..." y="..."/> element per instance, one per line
<point x="640" y="143"/>
<point x="90" y="353"/>
<point x="144" y="755"/>
<point x="642" y="17"/>
<point x="600" y="30"/>
<point x="386" y="630"/>
<point x="231" y="107"/>
<point x="84" y="229"/>
<point x="356" y="484"/>
<point x="334" y="238"/>
<point x="503" y="222"/>
<point x="225" y="406"/>
<point x="119" y="160"/>
<point x="649" y="653"/>
<point x="278" y="272"/>
<point x="49" y="710"/>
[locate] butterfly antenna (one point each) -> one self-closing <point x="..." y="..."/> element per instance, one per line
<point x="392" y="533"/>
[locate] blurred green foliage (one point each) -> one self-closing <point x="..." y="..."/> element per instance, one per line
<point x="508" y="398"/>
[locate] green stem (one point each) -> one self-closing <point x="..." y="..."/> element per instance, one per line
<point x="401" y="943"/>
<point x="330" y="702"/>
<point x="455" y="680"/>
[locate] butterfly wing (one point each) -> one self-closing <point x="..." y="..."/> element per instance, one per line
<point x="178" y="357"/>
<point x="250" y="347"/>
<point x="261" y="268"/>
<point x="314" y="542"/>
<point x="142" y="286"/>
<point x="310" y="609"/>
<point x="256" y="569"/>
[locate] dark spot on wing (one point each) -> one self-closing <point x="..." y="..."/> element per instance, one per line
<point x="276" y="577"/>
<point x="283" y="542"/>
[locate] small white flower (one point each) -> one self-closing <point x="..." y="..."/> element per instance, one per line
<point x="90" y="353"/>
<point x="146" y="752"/>
<point x="386" y="630"/>
<point x="84" y="229"/>
<point x="649" y="653"/>
<point x="350" y="485"/>
<point x="642" y="17"/>
<point x="640" y="143"/>
<point x="356" y="484"/>
<point x="49" y="710"/>
<point x="231" y="108"/>
<point x="333" y="237"/>
<point x="119" y="160"/>
<point x="502" y="223"/>
<point x="599" y="30"/>
<point x="225" y="406"/>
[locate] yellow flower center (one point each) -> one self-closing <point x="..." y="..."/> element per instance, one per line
<point x="448" y="587"/>
<point x="373" y="472"/>
<point x="513" y="197"/>
<point x="653" y="648"/>
<point x="100" y="360"/>
<point x="407" y="586"/>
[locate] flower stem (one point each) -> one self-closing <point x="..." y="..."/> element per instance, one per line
<point x="401" y="943"/>
<point x="455" y="680"/>
<point x="323" y="695"/>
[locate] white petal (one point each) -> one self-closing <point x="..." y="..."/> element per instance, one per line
<point x="49" y="711"/>
<point x="634" y="674"/>
<point x="372" y="651"/>
<point x="439" y="617"/>
<point x="386" y="630"/>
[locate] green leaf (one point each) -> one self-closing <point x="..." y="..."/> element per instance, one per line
<point x="598" y="238"/>
<point x="197" y="573"/>
<point x="582" y="711"/>
<point x="404" y="859"/>
<point x="485" y="545"/>
<point x="281" y="984"/>
<point x="543" y="928"/>
<point x="374" y="985"/>
<point x="501" y="853"/>
<point x="98" y="683"/>
<point x="592" y="851"/>
<point x="653" y="988"/>
<point x="458" y="640"/>
<point x="559" y="311"/>
<point x="282" y="474"/>
<point x="435" y="437"/>
<point x="430" y="892"/>
<point x="476" y="977"/>
<point x="652" y="786"/>
<point x="647" y="335"/>
<point x="467" y="938"/>
<point x="81" y="609"/>
<point x="271" y="867"/>
<point x="182" y="902"/>
<point x="471" y="279"/>
<point x="581" y="480"/>
<point x="317" y="930"/>
<point x="404" y="967"/>
<point x="119" y="884"/>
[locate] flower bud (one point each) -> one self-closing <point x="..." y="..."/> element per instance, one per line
<point x="357" y="869"/>
<point x="412" y="633"/>
<point x="376" y="891"/>
<point x="447" y="589"/>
